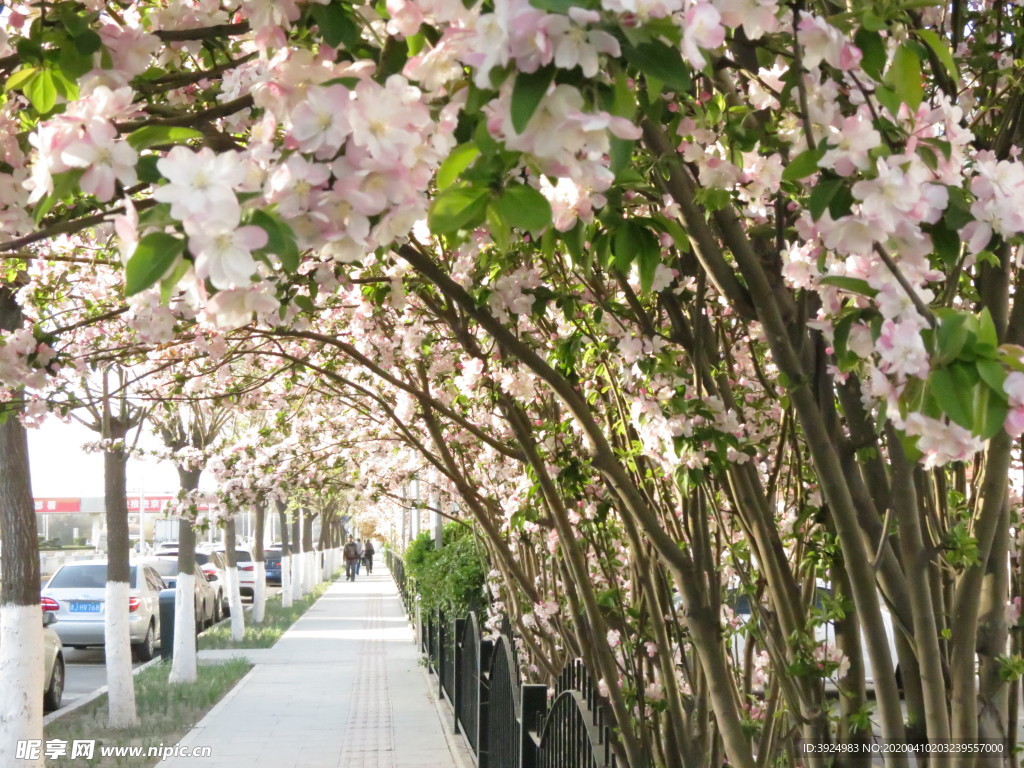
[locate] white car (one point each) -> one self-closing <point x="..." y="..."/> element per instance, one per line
<point x="823" y="632"/>
<point x="246" y="569"/>
<point x="76" y="595"/>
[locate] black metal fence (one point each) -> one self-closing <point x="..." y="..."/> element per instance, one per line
<point x="396" y="565"/>
<point x="506" y="723"/>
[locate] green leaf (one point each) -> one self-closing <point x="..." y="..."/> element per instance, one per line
<point x="460" y="158"/>
<point x="303" y="302"/>
<point x="803" y="165"/>
<point x="41" y="91"/>
<point x="904" y="76"/>
<point x="457" y="208"/>
<point x="155" y="135"/>
<point x="951" y="337"/>
<point x="19" y="78"/>
<point x="636" y="243"/>
<point x="987" y="329"/>
<point x="822" y="195"/>
<point x="498" y="227"/>
<point x="888" y="98"/>
<point x="994" y="375"/>
<point x="849" y="284"/>
<point x="336" y="25"/>
<point x="941" y="51"/>
<point x="64" y="187"/>
<point x="170" y="282"/>
<point x="989" y="413"/>
<point x="280" y="238"/>
<point x="655" y="59"/>
<point x="88" y="42"/>
<point x="524" y="207"/>
<point x="873" y="50"/>
<point x="154" y="255"/>
<point x="947" y="386"/>
<point x="527" y="93"/>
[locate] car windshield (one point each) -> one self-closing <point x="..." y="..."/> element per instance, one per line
<point x="165" y="566"/>
<point x="241" y="556"/>
<point x="85" y="576"/>
<point x="202" y="558"/>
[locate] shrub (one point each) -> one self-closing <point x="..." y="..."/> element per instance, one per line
<point x="450" y="578"/>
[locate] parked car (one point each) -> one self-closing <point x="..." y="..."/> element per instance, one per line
<point x="272" y="562"/>
<point x="214" y="565"/>
<point x="207" y="607"/>
<point x="76" y="595"/>
<point x="53" y="665"/>
<point x="166" y="547"/>
<point x="823" y="632"/>
<point x="246" y="570"/>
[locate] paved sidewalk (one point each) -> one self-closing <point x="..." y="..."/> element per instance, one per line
<point x="343" y="688"/>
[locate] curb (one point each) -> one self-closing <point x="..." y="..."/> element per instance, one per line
<point x="91" y="697"/>
<point x="445" y="716"/>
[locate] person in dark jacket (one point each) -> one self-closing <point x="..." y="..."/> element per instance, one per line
<point x="368" y="552"/>
<point x="351" y="554"/>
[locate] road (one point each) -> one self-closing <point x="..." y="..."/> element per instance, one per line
<point x="86" y="669"/>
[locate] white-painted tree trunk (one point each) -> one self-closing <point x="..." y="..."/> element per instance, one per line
<point x="314" y="569"/>
<point x="117" y="647"/>
<point x="298" y="560"/>
<point x="21" y="669"/>
<point x="286" y="581"/>
<point x="325" y="574"/>
<point x="259" y="595"/>
<point x="235" y="601"/>
<point x="183" y="665"/>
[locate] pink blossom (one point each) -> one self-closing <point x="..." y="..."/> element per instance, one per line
<point x="235" y="307"/>
<point x="223" y="250"/>
<point x="941" y="441"/>
<point x="702" y="28"/>
<point x="1014" y="388"/>
<point x="200" y="183"/>
<point x="105" y="159"/>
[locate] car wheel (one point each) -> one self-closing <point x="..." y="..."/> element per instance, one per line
<point x="55" y="690"/>
<point x="144" y="650"/>
<point x="217" y="604"/>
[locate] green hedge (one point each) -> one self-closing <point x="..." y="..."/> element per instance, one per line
<point x="450" y="578"/>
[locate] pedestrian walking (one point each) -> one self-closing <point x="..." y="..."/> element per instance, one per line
<point x="351" y="555"/>
<point x="368" y="553"/>
<point x="359" y="554"/>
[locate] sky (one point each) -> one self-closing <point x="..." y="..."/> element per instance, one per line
<point x="61" y="469"/>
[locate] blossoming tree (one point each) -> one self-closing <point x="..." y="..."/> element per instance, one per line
<point x="727" y="288"/>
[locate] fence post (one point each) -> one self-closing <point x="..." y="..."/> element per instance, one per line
<point x="442" y="635"/>
<point x="534" y="705"/>
<point x="460" y="630"/>
<point x="483" y="701"/>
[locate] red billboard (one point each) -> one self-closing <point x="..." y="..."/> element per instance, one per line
<point x="58" y="505"/>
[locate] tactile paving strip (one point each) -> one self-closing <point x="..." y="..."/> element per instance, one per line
<point x="368" y="740"/>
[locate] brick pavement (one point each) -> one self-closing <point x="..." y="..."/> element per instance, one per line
<point x="342" y="689"/>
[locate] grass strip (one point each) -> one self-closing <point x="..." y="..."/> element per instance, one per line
<point x="166" y="713"/>
<point x="276" y="621"/>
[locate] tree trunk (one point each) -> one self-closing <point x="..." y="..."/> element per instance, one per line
<point x="259" y="592"/>
<point x="21" y="629"/>
<point x="183" y="665"/>
<point x="310" y="569"/>
<point x="117" y="644"/>
<point x="298" y="571"/>
<point x="286" y="557"/>
<point x="234" y="593"/>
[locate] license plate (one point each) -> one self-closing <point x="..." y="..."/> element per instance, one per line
<point x="84" y="607"/>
